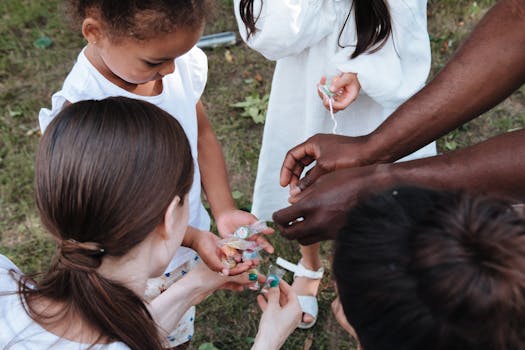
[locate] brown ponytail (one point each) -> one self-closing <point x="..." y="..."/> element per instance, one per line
<point x="106" y="172"/>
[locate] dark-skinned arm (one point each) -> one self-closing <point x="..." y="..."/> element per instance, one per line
<point x="486" y="69"/>
<point x="493" y="166"/>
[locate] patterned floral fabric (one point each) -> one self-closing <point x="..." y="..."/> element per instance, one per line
<point x="184" y="330"/>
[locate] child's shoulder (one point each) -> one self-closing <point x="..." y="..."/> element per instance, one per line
<point x="195" y="58"/>
<point x="193" y="66"/>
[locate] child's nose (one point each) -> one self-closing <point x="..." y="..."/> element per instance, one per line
<point x="167" y="68"/>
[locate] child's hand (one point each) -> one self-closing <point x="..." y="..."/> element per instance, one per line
<point x="230" y="220"/>
<point x="346" y="88"/>
<point x="214" y="281"/>
<point x="205" y="244"/>
<point x="281" y="315"/>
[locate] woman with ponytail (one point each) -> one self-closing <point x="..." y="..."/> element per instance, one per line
<point x="112" y="183"/>
<point x="373" y="54"/>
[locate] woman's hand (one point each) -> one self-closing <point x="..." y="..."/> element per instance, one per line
<point x="281" y="315"/>
<point x="167" y="308"/>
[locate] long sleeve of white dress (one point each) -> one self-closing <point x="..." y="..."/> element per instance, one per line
<point x="287" y="27"/>
<point x="305" y="38"/>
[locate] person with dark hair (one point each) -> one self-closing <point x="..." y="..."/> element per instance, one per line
<point x="146" y="50"/>
<point x="378" y="49"/>
<point x="112" y="187"/>
<point x="486" y="69"/>
<point x="424" y="269"/>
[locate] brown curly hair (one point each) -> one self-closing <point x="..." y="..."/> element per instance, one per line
<point x="141" y="19"/>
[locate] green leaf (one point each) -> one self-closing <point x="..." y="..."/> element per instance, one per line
<point x="237" y="194"/>
<point x="15" y="113"/>
<point x="43" y="42"/>
<point x="451" y="145"/>
<point x="207" y="346"/>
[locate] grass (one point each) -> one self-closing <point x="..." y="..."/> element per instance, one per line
<point x="29" y="75"/>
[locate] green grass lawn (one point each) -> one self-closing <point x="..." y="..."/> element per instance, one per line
<point x="30" y="72"/>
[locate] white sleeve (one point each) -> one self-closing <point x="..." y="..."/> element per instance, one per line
<point x="287" y="27"/>
<point x="400" y="68"/>
<point x="7" y="283"/>
<point x="197" y="70"/>
<point x="78" y="86"/>
<point x="6" y="264"/>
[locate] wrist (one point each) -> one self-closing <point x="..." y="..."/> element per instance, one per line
<point x="378" y="148"/>
<point x="385" y="176"/>
<point x="221" y="210"/>
<point x="205" y="282"/>
<point x="263" y="342"/>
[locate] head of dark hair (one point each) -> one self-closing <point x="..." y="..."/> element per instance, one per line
<point x="141" y="19"/>
<point x="423" y="269"/>
<point x="372" y="20"/>
<point x="106" y="172"/>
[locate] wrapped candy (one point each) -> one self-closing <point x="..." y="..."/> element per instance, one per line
<point x="325" y="90"/>
<point x="237" y="248"/>
<point x="275" y="274"/>
<point x="247" y="231"/>
<point x="253" y="275"/>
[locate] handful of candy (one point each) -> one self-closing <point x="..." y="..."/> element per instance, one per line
<point x="237" y="247"/>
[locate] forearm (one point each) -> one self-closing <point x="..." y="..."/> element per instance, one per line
<point x="485" y="70"/>
<point x="264" y="343"/>
<point x="168" y="308"/>
<point x="494" y="166"/>
<point x="213" y="167"/>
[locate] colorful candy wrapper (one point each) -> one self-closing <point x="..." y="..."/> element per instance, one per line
<point x="253" y="275"/>
<point x="275" y="274"/>
<point x="325" y="90"/>
<point x="247" y="231"/>
<point x="234" y="249"/>
<point x="251" y="254"/>
<point x="229" y="256"/>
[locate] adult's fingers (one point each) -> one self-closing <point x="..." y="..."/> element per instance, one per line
<point x="270" y="297"/>
<point x="310" y="177"/>
<point x="295" y="161"/>
<point x="263" y="304"/>
<point x="292" y="223"/>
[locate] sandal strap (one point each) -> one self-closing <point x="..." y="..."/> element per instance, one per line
<point x="299" y="270"/>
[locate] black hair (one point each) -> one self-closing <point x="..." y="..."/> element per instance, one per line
<point x="424" y="269"/>
<point x="372" y="20"/>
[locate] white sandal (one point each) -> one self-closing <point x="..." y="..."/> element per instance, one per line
<point x="308" y="302"/>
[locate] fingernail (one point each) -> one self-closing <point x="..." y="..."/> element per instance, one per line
<point x="295" y="191"/>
